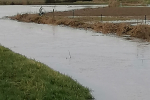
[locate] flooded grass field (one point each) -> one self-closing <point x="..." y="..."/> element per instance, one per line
<point x="112" y="67"/>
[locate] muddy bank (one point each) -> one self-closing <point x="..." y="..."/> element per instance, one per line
<point x="139" y="31"/>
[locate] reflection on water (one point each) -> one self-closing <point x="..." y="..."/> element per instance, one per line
<point x="142" y="50"/>
<point x="132" y="22"/>
<point x="114" y="68"/>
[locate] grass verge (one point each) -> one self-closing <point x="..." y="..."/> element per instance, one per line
<point x="26" y="79"/>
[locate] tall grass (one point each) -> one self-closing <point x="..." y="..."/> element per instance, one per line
<point x="26" y="79"/>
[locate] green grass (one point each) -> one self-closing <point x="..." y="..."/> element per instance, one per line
<point x="26" y="79"/>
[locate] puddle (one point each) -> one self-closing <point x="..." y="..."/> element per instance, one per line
<point x="114" y="68"/>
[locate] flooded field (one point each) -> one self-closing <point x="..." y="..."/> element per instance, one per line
<point x="112" y="67"/>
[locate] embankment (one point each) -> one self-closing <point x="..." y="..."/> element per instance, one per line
<point x="26" y="79"/>
<point x="139" y="31"/>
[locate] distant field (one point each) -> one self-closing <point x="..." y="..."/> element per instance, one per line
<point x="126" y="1"/>
<point x="28" y="2"/>
<point x="7" y="2"/>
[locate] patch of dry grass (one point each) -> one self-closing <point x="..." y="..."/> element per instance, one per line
<point x="124" y="29"/>
<point x="140" y="31"/>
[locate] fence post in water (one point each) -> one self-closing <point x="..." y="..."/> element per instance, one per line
<point x="53" y="13"/>
<point x="73" y="13"/>
<point x="145" y="19"/>
<point x="101" y="18"/>
<point x="137" y="20"/>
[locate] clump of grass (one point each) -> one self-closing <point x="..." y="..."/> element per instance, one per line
<point x="141" y="31"/>
<point x="124" y="29"/>
<point x="27" y="79"/>
<point x="109" y="28"/>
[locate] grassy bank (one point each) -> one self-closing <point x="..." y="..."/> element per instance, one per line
<point x="27" y="79"/>
<point x="139" y="31"/>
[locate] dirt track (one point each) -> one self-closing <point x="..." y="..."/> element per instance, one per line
<point x="106" y="11"/>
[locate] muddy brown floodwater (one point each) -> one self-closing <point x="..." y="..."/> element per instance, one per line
<point x="112" y="67"/>
<point x="106" y="11"/>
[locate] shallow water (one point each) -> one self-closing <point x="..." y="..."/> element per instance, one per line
<point x="132" y="22"/>
<point x="113" y="67"/>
